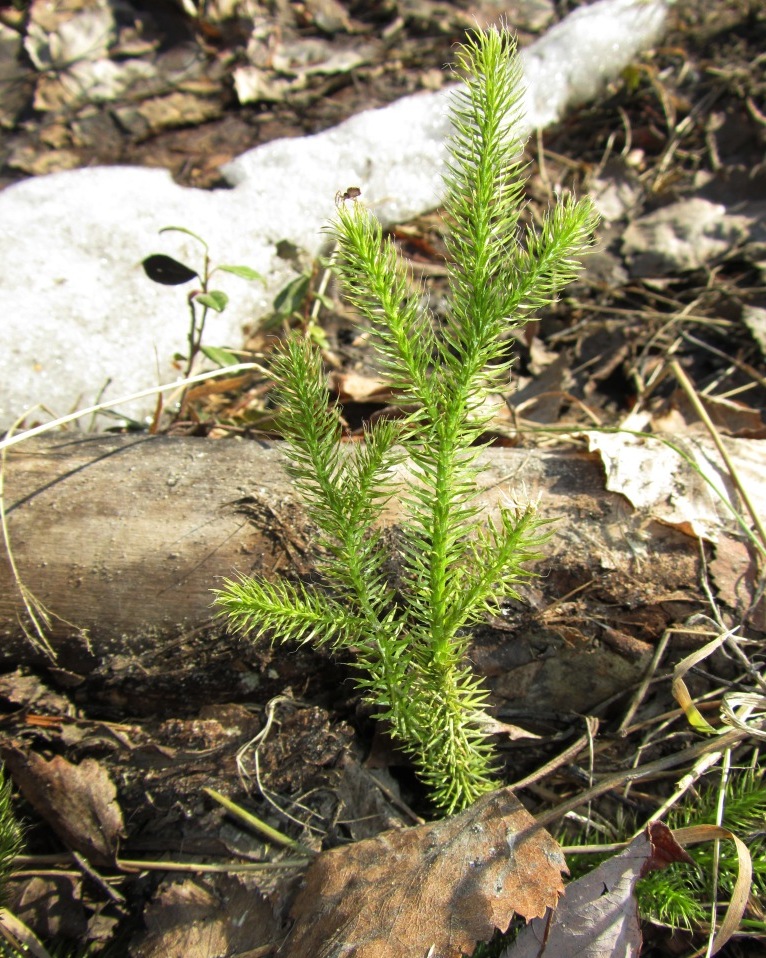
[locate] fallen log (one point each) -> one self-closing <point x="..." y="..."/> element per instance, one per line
<point x="122" y="539"/>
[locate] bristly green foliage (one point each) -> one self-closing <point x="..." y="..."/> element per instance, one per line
<point x="10" y="834"/>
<point x="410" y="642"/>
<point x="681" y="897"/>
<point x="11" y="844"/>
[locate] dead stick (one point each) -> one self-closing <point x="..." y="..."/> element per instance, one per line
<point x="718" y="744"/>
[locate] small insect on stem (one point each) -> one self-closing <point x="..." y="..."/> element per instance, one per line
<point x="352" y="193"/>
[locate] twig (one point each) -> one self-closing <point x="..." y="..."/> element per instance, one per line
<point x="720" y="743"/>
<point x="154" y="390"/>
<point x="563" y="759"/>
<point x="645" y="683"/>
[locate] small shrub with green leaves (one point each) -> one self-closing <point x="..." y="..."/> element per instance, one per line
<point x="168" y="271"/>
<point x="409" y="640"/>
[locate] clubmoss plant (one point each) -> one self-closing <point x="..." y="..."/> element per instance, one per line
<point x="11" y="844"/>
<point x="410" y="641"/>
<point x="10" y="834"/>
<point x="680" y="897"/>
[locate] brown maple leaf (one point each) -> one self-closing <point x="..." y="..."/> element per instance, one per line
<point x="437" y="889"/>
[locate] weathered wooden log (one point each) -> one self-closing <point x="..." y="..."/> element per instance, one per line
<point x="123" y="538"/>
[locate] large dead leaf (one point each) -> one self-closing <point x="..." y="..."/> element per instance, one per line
<point x="685" y="235"/>
<point x="598" y="915"/>
<point x="79" y="802"/>
<point x="437" y="889"/>
<point x="357" y="387"/>
<point x="680" y="480"/>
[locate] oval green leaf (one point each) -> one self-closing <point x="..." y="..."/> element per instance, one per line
<point x="290" y="299"/>
<point x="213" y="299"/>
<point x="221" y="357"/>
<point x="244" y="272"/>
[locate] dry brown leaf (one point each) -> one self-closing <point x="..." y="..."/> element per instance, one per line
<point x="736" y="575"/>
<point x="205" y="918"/>
<point x="79" y="802"/>
<point x="443" y="886"/>
<point x="730" y="417"/>
<point x="31" y="693"/>
<point x="357" y="387"/>
<point x="661" y="480"/>
<point x="50" y="905"/>
<point x="598" y="915"/>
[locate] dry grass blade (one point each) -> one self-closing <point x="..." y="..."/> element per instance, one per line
<point x="725" y="740"/>
<point x="681" y="692"/>
<point x="181" y="384"/>
<point x="739" y="898"/>
<point x="271" y="834"/>
<point x="21" y="939"/>
<point x="747" y="703"/>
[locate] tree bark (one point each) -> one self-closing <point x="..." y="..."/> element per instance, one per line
<point x="122" y="540"/>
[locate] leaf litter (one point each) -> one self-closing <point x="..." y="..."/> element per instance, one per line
<point x="79" y="802"/>
<point x="598" y="914"/>
<point x="205" y="917"/>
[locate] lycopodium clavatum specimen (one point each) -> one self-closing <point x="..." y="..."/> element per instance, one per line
<point x="408" y="640"/>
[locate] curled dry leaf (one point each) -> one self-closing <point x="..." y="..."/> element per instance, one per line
<point x="680" y="480"/>
<point x="598" y="914"/>
<point x="50" y="905"/>
<point x="79" y="802"/>
<point x="436" y="889"/>
<point x="205" y="918"/>
<point x="740" y="894"/>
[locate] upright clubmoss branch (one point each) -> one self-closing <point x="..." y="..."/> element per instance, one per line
<point x="410" y="643"/>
